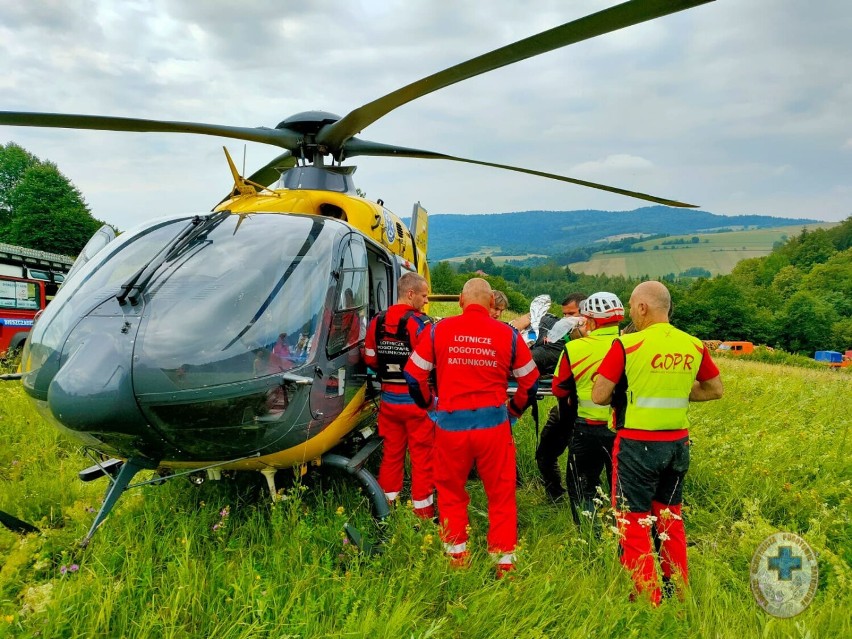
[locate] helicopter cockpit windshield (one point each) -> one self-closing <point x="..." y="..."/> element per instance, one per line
<point x="245" y="302"/>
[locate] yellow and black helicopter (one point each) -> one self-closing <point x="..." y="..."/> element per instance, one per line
<point x="230" y="341"/>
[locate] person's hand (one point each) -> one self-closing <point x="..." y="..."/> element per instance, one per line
<point x="521" y="323"/>
<point x="432" y="411"/>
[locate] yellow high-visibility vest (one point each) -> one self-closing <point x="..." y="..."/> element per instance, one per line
<point x="585" y="355"/>
<point x="661" y="364"/>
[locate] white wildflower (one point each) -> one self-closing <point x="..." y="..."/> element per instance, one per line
<point x="666" y="513"/>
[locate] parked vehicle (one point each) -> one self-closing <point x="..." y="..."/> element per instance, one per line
<point x="830" y="358"/>
<point x="736" y="348"/>
<point x="31" y="264"/>
<point x="21" y="300"/>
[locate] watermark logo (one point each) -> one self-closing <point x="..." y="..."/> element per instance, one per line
<point x="784" y="575"/>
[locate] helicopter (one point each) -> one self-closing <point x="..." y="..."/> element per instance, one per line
<point x="229" y="341"/>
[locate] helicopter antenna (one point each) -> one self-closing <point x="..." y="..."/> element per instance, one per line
<point x="244" y="158"/>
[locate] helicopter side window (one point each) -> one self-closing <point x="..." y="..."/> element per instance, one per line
<point x="349" y="322"/>
<point x="381" y="273"/>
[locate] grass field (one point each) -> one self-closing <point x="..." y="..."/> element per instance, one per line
<point x="221" y="561"/>
<point x="491" y="252"/>
<point x="718" y="254"/>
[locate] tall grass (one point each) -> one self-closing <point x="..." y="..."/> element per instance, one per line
<point x="772" y="455"/>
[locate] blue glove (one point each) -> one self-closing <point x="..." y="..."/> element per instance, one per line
<point x="432" y="411"/>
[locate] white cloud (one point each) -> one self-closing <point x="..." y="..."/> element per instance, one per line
<point x="619" y="163"/>
<point x="737" y="106"/>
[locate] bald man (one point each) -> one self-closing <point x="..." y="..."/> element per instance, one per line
<point x="650" y="377"/>
<point x="403" y="426"/>
<point x="473" y="357"/>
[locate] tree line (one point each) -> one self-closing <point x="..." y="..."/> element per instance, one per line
<point x="797" y="298"/>
<point x="39" y="207"/>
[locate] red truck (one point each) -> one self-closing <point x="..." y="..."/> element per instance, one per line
<point x="29" y="279"/>
<point x="21" y="300"/>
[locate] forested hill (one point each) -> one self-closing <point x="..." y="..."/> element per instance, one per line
<point x="552" y="232"/>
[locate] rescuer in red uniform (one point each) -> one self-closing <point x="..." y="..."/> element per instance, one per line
<point x="650" y="377"/>
<point x="403" y="425"/>
<point x="473" y="357"/>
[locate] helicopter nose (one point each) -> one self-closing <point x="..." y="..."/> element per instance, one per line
<point x="92" y="392"/>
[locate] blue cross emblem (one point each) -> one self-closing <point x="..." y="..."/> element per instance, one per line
<point x="785" y="563"/>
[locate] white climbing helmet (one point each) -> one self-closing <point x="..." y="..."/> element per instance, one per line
<point x="602" y="305"/>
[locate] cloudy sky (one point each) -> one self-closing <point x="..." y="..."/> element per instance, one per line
<point x="741" y="106"/>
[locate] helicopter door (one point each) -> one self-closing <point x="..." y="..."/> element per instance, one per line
<point x="348" y="326"/>
<point x="381" y="282"/>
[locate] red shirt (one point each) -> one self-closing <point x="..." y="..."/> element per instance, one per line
<point x="473" y="356"/>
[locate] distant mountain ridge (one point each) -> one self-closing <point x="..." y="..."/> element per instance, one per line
<point x="554" y="232"/>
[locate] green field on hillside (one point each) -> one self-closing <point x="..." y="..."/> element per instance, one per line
<point x="715" y="252"/>
<point x="219" y="560"/>
<point x="493" y="253"/>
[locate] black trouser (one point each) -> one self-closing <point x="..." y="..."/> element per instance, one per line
<point x="649" y="476"/>
<point x="650" y="471"/>
<point x="590" y="452"/>
<point x="552" y="443"/>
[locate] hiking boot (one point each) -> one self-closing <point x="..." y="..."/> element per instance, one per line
<point x="502" y="569"/>
<point x="459" y="559"/>
<point x="427" y="513"/>
<point x="654" y="597"/>
<point x="555" y="492"/>
<point x="669" y="588"/>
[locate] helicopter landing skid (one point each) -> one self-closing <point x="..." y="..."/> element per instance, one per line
<point x="121" y="473"/>
<point x="369" y="483"/>
<point x="355" y="466"/>
<point x="117" y="487"/>
<point x="269" y="474"/>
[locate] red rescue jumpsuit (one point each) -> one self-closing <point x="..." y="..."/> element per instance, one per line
<point x="402" y="424"/>
<point x="473" y="357"/>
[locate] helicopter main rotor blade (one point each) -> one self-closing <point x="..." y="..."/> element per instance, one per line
<point x="612" y="19"/>
<point x="363" y="147"/>
<point x="278" y="137"/>
<point x="16" y="525"/>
